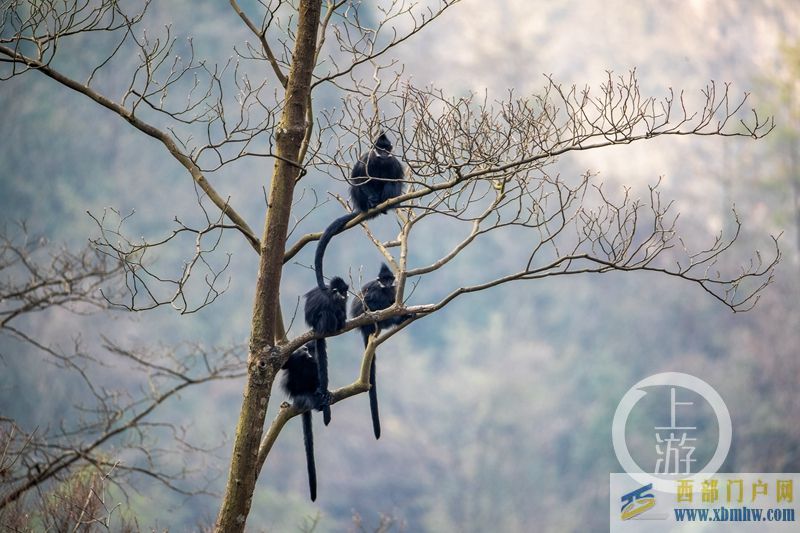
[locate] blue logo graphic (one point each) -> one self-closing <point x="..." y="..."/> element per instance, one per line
<point x="637" y="501"/>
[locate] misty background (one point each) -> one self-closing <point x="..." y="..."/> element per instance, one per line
<point x="497" y="410"/>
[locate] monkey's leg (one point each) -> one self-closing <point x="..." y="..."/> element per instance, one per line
<point x="374" y="198"/>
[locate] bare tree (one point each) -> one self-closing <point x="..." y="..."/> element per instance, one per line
<point x="481" y="167"/>
<point x="36" y="278"/>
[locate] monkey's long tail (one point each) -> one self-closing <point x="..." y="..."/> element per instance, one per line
<point x="373" y="394"/>
<point x="373" y="400"/>
<point x="308" y="440"/>
<point x="335" y="227"/>
<point x="322" y="362"/>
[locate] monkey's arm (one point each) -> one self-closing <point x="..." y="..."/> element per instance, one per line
<point x="358" y="173"/>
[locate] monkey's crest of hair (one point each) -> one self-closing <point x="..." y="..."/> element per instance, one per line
<point x="339" y="285"/>
<point x="385" y="272"/>
<point x="383" y="143"/>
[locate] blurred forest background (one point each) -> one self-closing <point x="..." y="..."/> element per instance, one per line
<point x="497" y="411"/>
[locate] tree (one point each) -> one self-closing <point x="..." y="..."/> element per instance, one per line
<point x="475" y="166"/>
<point x="37" y="277"/>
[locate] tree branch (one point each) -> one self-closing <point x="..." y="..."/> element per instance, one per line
<point x="147" y="129"/>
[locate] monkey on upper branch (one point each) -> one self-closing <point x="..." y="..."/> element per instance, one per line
<point x="376" y="295"/>
<point x="325" y="313"/>
<point x="301" y="383"/>
<point x="376" y="177"/>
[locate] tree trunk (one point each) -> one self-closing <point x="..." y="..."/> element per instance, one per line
<point x="263" y="359"/>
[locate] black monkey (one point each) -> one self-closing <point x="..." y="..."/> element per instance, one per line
<point x="301" y="382"/>
<point x="376" y="177"/>
<point x="326" y="313"/>
<point x="376" y="296"/>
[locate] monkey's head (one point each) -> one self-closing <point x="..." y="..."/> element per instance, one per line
<point x="385" y="276"/>
<point x="310" y="347"/>
<point x="298" y="357"/>
<point x="383" y="145"/>
<point x="338" y="288"/>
